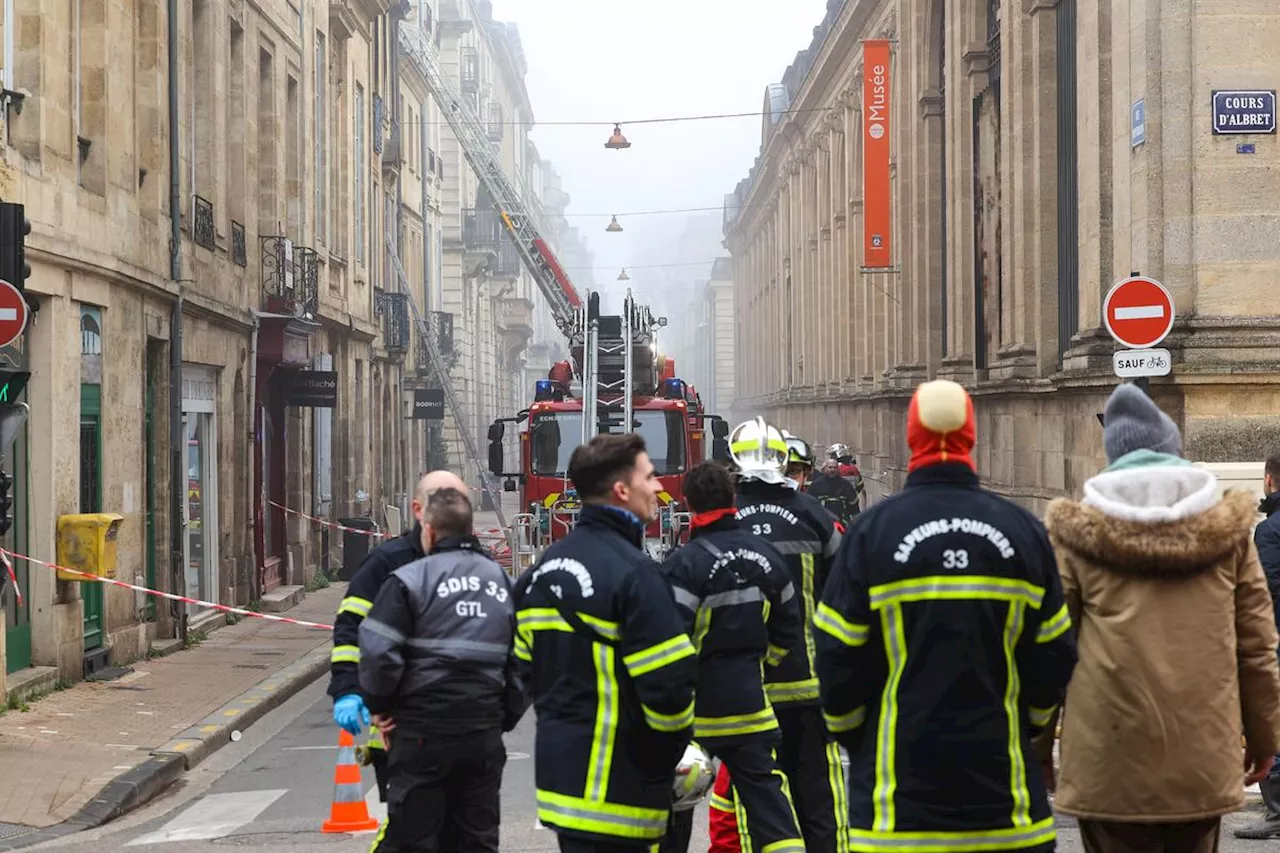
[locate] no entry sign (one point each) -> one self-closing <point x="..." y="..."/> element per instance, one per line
<point x="13" y="313"/>
<point x="1138" y="312"/>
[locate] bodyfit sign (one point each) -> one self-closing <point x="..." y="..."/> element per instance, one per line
<point x="428" y="404"/>
<point x="877" y="188"/>
<point x="1239" y="111"/>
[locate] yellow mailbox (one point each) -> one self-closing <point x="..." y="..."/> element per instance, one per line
<point x="87" y="543"/>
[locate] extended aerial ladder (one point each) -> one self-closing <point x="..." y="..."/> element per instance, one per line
<point x="618" y="355"/>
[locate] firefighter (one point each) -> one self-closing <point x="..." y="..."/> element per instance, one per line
<point x="770" y="507"/>
<point x="799" y="461"/>
<point x="944" y="643"/>
<point x="741" y="610"/>
<point x="349" y="710"/>
<point x="836" y="493"/>
<point x="611" y="670"/>
<point x="436" y="668"/>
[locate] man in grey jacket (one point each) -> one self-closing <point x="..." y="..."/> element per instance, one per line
<point x="436" y="667"/>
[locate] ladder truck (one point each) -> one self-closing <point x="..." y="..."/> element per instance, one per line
<point x="616" y="367"/>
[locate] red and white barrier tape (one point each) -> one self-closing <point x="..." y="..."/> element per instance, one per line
<point x="13" y="577"/>
<point x="222" y="608"/>
<point x="486" y="533"/>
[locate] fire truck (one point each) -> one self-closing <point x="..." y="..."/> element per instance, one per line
<point x="617" y="372"/>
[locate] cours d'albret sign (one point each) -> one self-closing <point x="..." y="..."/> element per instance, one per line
<point x="1241" y="111"/>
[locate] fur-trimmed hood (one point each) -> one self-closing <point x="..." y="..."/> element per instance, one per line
<point x="1153" y="521"/>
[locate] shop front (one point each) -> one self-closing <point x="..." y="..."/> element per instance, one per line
<point x="200" y="543"/>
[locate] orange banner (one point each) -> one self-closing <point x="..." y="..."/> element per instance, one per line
<point x="877" y="192"/>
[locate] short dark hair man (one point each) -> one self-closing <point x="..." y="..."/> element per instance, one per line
<point x="610" y="668"/>
<point x="436" y="657"/>
<point x="1266" y="537"/>
<point x="738" y="601"/>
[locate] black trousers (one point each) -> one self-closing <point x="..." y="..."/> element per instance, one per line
<point x="574" y="844"/>
<point x="811" y="761"/>
<point x="679" y="832"/>
<point x="761" y="793"/>
<point x="443" y="787"/>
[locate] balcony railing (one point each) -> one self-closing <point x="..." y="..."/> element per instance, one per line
<point x="239" y="245"/>
<point x="395" y="322"/>
<point x="290" y="277"/>
<point x="306" y="277"/>
<point x="377" y="128"/>
<point x="469" y="71"/>
<point x="440" y="327"/>
<point x="508" y="264"/>
<point x="204" y="222"/>
<point x="481" y="228"/>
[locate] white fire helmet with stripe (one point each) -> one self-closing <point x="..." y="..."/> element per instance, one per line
<point x="759" y="451"/>
<point x="695" y="774"/>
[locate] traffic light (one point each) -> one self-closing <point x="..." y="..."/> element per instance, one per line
<point x="6" y="503"/>
<point x="14" y="229"/>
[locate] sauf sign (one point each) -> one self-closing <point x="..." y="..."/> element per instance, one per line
<point x="1241" y="111"/>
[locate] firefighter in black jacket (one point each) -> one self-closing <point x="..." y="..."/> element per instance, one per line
<point x="770" y="506"/>
<point x="944" y="644"/>
<point x="436" y="667"/>
<point x="610" y="668"/>
<point x="349" y="710"/>
<point x="742" y="611"/>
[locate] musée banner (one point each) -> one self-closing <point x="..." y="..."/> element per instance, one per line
<point x="877" y="207"/>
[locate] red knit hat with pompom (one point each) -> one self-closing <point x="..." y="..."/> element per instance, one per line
<point x="940" y="425"/>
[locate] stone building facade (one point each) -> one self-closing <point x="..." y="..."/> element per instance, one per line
<point x="1020" y="196"/>
<point x="711" y="345"/>
<point x="283" y="175"/>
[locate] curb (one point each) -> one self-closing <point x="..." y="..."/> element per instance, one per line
<point x="136" y="787"/>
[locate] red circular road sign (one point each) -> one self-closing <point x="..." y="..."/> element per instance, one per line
<point x="1138" y="312"/>
<point x="13" y="313"/>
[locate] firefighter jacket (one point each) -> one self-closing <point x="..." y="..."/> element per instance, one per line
<point x="612" y="674"/>
<point x="837" y="495"/>
<point x="740" y="610"/>
<point x="805" y="534"/>
<point x="344" y="660"/>
<point x="436" y="648"/>
<point x="944" y="642"/>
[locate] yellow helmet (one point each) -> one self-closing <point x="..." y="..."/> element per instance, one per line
<point x="758" y="447"/>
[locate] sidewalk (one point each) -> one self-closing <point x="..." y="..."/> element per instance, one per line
<point x="89" y="753"/>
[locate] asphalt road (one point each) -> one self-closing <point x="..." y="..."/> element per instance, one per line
<point x="271" y="791"/>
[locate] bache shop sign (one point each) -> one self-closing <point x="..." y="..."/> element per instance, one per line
<point x="1241" y="111"/>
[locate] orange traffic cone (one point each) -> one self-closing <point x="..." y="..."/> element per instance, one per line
<point x="349" y="812"/>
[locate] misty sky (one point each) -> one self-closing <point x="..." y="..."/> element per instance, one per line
<point x="608" y="61"/>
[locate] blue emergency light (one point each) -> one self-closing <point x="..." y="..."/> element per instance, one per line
<point x="673" y="389"/>
<point x="543" y="390"/>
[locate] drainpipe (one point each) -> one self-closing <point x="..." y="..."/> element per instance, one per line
<point x="177" y="434"/>
<point x="251" y="494"/>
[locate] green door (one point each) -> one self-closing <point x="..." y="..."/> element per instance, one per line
<point x="18" y="617"/>
<point x="91" y="500"/>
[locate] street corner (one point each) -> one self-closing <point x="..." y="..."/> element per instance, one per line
<point x="223" y="726"/>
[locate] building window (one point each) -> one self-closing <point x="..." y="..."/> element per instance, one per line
<point x="360" y="155"/>
<point x="322" y="140"/>
<point x="90" y="332"/>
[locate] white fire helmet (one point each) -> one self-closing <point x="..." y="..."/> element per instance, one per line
<point x="695" y="774"/>
<point x="758" y="449"/>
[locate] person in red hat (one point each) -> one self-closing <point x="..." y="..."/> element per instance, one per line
<point x="944" y="644"/>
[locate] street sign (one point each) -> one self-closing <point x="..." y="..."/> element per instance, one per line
<point x="1238" y="111"/>
<point x="13" y="313"/>
<point x="1138" y="123"/>
<point x="1138" y="312"/>
<point x="1136" y="363"/>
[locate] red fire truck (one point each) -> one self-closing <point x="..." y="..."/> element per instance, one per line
<point x="616" y="372"/>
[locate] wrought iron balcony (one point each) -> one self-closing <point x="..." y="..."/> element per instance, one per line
<point x="439" y="324"/>
<point x="203" y="229"/>
<point x="306" y="276"/>
<point x="469" y="71"/>
<point x="508" y="265"/>
<point x="378" y="130"/>
<point x="239" y="245"/>
<point x="395" y="322"/>
<point x="481" y="229"/>
<point x="290" y="278"/>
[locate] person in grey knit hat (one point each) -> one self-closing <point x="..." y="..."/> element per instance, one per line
<point x="1132" y="421"/>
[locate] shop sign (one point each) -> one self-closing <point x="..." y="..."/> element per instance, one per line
<point x="428" y="404"/>
<point x="313" y="389"/>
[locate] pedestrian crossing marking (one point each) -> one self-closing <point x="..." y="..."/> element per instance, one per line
<point x="214" y="816"/>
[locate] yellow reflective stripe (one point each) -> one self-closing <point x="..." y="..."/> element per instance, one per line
<point x="754" y="444"/>
<point x="1055" y="627"/>
<point x="522" y="649"/>
<point x="895" y="647"/>
<point x="774" y="656"/>
<point x="575" y="813"/>
<point x="356" y="606"/>
<point x="1011" y="838"/>
<point x="1041" y="717"/>
<point x="829" y="621"/>
<point x="955" y="588"/>
<point x="668" y="722"/>
<point x="835" y="775"/>
<point x="606" y="728"/>
<point x="1013" y="689"/>
<point x="740" y="724"/>
<point x="659" y="655"/>
<point x="550" y="500"/>
<point x="721" y="804"/>
<point x="786" y="845"/>
<point x="782" y="692"/>
<point x="841" y="723"/>
<point x="608" y="630"/>
<point x="810" y="652"/>
<point x="701" y="627"/>
<point x="345" y="654"/>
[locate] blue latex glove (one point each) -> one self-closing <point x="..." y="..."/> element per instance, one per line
<point x="350" y="713"/>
